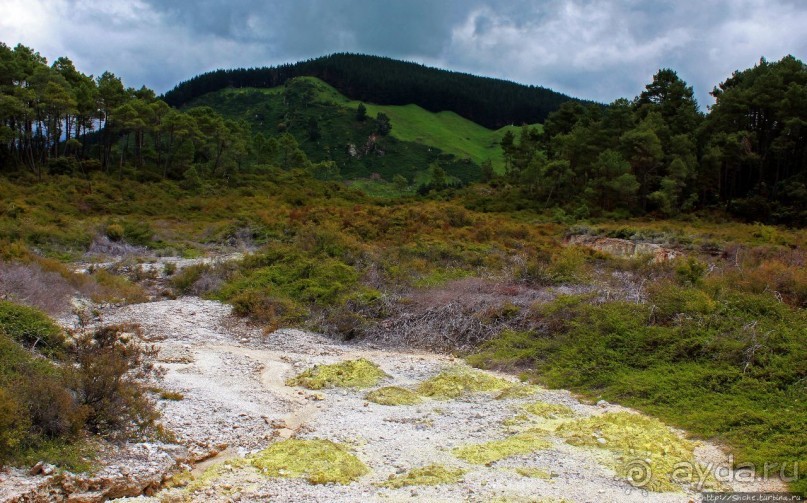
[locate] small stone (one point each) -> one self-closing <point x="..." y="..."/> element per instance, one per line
<point x="602" y="441"/>
<point x="602" y="403"/>
<point x="36" y="469"/>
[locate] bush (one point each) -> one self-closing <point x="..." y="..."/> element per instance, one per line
<point x="114" y="232"/>
<point x="13" y="425"/>
<point x="669" y="300"/>
<point x="109" y="361"/>
<point x="31" y="328"/>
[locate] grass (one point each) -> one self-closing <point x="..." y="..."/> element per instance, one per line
<point x="393" y="395"/>
<point x="318" y="461"/>
<point x="431" y="475"/>
<point x="495" y="450"/>
<point x="447" y="131"/>
<point x="361" y="373"/>
<point x="459" y="380"/>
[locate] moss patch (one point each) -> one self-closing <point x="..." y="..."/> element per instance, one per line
<point x="318" y="461"/>
<point x="489" y="452"/>
<point x="361" y="373"/>
<point x="648" y="450"/>
<point x="549" y="410"/>
<point x="533" y="473"/>
<point x="393" y="395"/>
<point x="456" y="381"/>
<point x="517" y="391"/>
<point x="431" y="475"/>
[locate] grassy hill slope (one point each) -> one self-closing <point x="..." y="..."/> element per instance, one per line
<point x="418" y="137"/>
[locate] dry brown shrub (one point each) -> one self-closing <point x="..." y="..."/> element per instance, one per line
<point x="30" y="284"/>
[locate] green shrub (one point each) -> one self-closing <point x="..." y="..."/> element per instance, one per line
<point x="31" y="328"/>
<point x="114" y="232"/>
<point x="14" y="425"/>
<point x="669" y="300"/>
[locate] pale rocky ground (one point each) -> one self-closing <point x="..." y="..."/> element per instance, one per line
<point x="236" y="403"/>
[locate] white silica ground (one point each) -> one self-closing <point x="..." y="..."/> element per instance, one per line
<point x="236" y="402"/>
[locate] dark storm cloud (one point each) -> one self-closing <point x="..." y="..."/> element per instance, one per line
<point x="600" y="50"/>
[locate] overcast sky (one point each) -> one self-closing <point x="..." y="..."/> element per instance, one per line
<point x="599" y="50"/>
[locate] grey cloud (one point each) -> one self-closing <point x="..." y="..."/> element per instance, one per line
<point x="596" y="49"/>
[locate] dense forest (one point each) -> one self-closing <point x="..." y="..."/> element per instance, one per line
<point x="659" y="154"/>
<point x="492" y="103"/>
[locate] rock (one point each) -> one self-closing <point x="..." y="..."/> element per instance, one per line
<point x="602" y="441"/>
<point x="87" y="497"/>
<point x="48" y="469"/>
<point x="602" y="403"/>
<point x="179" y="453"/>
<point x="37" y="468"/>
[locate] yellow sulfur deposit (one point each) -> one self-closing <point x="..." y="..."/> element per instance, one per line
<point x="393" y="395"/>
<point x="456" y="381"/>
<point x="318" y="461"/>
<point x="488" y="452"/>
<point x="431" y="475"/>
<point x="361" y="373"/>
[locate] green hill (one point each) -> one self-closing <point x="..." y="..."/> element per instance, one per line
<point x="324" y="123"/>
<point x="493" y="103"/>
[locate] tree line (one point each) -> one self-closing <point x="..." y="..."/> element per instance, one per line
<point x="490" y="102"/>
<point x="54" y="117"/>
<point x="659" y="154"/>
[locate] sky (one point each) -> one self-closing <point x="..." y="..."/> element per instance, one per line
<point x="594" y="49"/>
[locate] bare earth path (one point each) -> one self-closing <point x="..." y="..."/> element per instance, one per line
<point x="236" y="403"/>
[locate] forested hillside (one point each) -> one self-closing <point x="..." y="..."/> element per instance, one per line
<point x="656" y="154"/>
<point x="493" y="103"/>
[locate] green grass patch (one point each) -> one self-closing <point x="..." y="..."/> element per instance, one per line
<point x="393" y="395"/>
<point x="495" y="450"/>
<point x="459" y="380"/>
<point x="431" y="475"/>
<point x="361" y="373"/>
<point x="318" y="461"/>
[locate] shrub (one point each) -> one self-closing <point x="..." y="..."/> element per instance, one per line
<point x="669" y="300"/>
<point x="114" y="232"/>
<point x="109" y="362"/>
<point x="31" y="328"/>
<point x="14" y="425"/>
